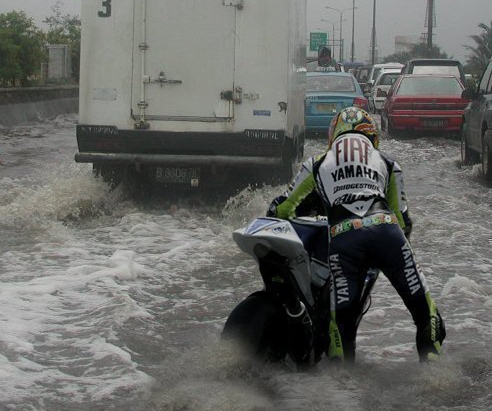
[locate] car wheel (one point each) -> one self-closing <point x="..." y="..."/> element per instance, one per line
<point x="467" y="156"/>
<point x="487" y="161"/>
<point x="389" y="129"/>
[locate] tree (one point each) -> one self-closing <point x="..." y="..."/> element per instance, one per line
<point x="482" y="52"/>
<point x="21" y="48"/>
<point x="65" y="29"/>
<point x="419" y="50"/>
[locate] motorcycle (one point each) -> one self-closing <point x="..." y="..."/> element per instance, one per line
<point x="289" y="317"/>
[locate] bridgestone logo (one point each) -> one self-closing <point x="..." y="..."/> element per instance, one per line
<point x="356" y="186"/>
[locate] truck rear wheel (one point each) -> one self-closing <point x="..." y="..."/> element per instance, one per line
<point x="288" y="158"/>
<point x="112" y="174"/>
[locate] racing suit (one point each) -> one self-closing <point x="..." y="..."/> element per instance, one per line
<point x="363" y="195"/>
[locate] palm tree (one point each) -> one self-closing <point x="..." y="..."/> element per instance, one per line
<point x="482" y="52"/>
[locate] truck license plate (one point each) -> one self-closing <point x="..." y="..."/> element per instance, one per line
<point x="178" y="175"/>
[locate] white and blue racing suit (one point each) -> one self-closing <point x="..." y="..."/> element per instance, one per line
<point x="362" y="193"/>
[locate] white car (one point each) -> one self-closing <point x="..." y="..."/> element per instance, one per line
<point x="380" y="89"/>
<point x="375" y="71"/>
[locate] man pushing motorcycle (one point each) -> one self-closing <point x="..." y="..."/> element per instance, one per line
<point x="362" y="192"/>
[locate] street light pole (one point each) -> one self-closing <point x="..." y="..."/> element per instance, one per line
<point x="341" y="27"/>
<point x="430" y="23"/>
<point x="333" y="34"/>
<point x="341" y="41"/>
<point x="353" y="31"/>
<point x="373" y="38"/>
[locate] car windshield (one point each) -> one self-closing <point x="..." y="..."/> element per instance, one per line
<point x="330" y="83"/>
<point x="452" y="70"/>
<point x="375" y="73"/>
<point x="388" y="79"/>
<point x="442" y="86"/>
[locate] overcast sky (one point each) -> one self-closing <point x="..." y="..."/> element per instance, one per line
<point x="456" y="20"/>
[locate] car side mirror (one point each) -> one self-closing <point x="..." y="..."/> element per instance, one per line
<point x="469" y="94"/>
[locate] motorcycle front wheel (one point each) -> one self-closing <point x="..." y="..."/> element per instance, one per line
<point x="258" y="325"/>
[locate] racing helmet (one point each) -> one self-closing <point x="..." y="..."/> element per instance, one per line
<point x="353" y="120"/>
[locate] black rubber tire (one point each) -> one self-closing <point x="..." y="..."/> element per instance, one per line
<point x="386" y="127"/>
<point x="259" y="326"/>
<point x="487" y="161"/>
<point x="288" y="160"/>
<point x="110" y="174"/>
<point x="389" y="129"/>
<point x="468" y="156"/>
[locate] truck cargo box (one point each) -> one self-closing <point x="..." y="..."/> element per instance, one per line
<point x="193" y="92"/>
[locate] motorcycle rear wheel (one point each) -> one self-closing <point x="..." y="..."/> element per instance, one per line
<point x="259" y="326"/>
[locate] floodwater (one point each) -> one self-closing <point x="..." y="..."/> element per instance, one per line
<point x="109" y="302"/>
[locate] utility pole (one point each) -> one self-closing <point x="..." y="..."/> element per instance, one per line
<point x="430" y="23"/>
<point x="332" y="42"/>
<point x="341" y="20"/>
<point x="341" y="41"/>
<point x="373" y="37"/>
<point x="353" y="31"/>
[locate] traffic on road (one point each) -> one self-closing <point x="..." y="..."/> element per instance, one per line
<point x="247" y="212"/>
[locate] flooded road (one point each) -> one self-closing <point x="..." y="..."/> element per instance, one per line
<point x="114" y="303"/>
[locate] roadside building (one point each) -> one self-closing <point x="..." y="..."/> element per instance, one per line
<point x="59" y="65"/>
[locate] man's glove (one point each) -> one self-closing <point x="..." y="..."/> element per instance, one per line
<point x="272" y="209"/>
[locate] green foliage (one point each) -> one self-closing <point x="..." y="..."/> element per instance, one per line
<point x="65" y="29"/>
<point x="419" y="50"/>
<point x="481" y="53"/>
<point x="22" y="44"/>
<point x="21" y="48"/>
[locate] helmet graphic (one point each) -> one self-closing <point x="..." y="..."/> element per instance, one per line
<point x="353" y="120"/>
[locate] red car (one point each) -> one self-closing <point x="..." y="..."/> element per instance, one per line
<point x="424" y="102"/>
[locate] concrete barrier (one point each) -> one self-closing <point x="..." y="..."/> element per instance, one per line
<point x="22" y="105"/>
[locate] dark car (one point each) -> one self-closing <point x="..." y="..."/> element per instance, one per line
<point x="476" y="135"/>
<point x="434" y="66"/>
<point x="362" y="75"/>
<point x="424" y="102"/>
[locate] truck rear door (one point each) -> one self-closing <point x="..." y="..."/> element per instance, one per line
<point x="184" y="60"/>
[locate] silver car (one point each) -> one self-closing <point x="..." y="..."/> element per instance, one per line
<point x="380" y="90"/>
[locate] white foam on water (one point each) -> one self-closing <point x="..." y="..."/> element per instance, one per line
<point x="105" y="302"/>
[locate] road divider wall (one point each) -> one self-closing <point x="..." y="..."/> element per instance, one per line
<point x="23" y="105"/>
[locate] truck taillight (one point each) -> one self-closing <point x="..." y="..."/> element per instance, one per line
<point x="360" y="102"/>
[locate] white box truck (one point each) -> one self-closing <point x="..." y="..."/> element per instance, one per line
<point x="197" y="93"/>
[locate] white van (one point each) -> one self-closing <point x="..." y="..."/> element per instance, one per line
<point x="375" y="71"/>
<point x="380" y="89"/>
